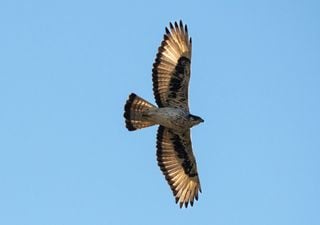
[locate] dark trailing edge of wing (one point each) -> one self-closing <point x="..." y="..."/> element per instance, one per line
<point x="160" y="164"/>
<point x="155" y="72"/>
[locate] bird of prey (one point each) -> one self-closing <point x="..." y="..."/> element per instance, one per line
<point x="170" y="76"/>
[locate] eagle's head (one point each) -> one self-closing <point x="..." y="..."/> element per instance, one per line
<point x="195" y="120"/>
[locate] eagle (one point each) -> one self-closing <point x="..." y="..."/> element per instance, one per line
<point x="170" y="76"/>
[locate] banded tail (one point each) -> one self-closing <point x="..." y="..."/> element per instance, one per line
<point x="133" y="112"/>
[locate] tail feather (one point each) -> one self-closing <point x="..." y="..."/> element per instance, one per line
<point x="133" y="111"/>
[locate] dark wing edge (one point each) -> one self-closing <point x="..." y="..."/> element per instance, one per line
<point x="177" y="163"/>
<point x="171" y="69"/>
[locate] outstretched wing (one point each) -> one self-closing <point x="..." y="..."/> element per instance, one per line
<point x="171" y="69"/>
<point x="176" y="160"/>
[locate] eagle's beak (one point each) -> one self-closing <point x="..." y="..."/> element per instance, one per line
<point x="201" y="120"/>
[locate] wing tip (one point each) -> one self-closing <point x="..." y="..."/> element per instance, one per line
<point x="176" y="24"/>
<point x="181" y="23"/>
<point x="167" y="31"/>
<point x="171" y="25"/>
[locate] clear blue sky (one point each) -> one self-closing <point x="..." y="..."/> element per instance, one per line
<point x="67" y="67"/>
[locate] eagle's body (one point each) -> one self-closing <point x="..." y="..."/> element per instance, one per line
<point x="171" y="75"/>
<point x="176" y="119"/>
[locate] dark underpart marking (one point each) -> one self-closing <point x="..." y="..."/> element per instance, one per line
<point x="182" y="154"/>
<point x="178" y="76"/>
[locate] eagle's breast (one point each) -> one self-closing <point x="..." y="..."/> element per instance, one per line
<point x="174" y="118"/>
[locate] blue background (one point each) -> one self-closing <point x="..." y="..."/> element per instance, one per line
<point x="67" y="67"/>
